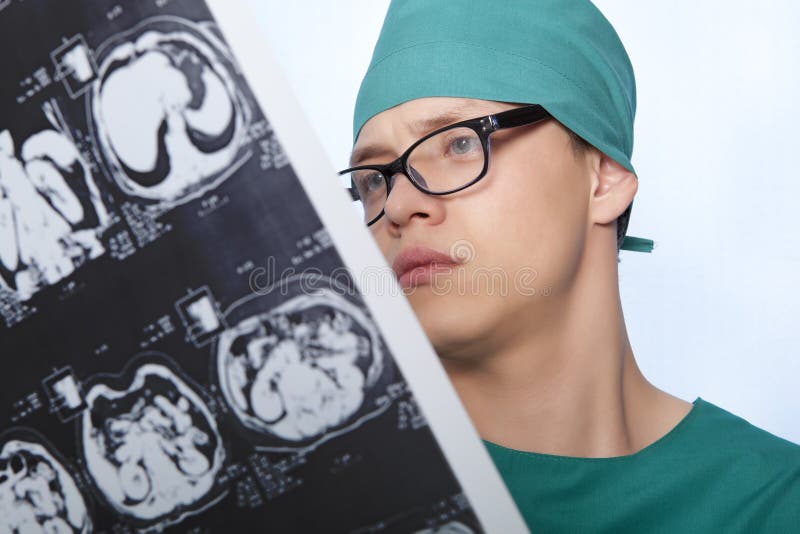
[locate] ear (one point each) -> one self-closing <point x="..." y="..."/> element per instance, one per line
<point x="613" y="189"/>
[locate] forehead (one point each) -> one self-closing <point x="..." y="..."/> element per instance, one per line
<point x="414" y="119"/>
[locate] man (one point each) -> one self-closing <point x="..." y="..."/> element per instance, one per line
<point x="505" y="129"/>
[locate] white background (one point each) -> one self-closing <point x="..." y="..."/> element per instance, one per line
<point x="713" y="311"/>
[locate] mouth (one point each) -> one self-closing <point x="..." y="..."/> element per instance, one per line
<point x="418" y="265"/>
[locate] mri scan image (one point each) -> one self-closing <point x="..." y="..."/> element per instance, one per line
<point x="152" y="449"/>
<point x="50" y="210"/>
<point x="302" y="368"/>
<point x="37" y="494"/>
<point x="168" y="117"/>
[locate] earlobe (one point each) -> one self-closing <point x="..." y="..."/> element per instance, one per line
<point x="613" y="191"/>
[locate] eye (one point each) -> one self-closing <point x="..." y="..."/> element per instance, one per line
<point x="368" y="181"/>
<point x="463" y="145"/>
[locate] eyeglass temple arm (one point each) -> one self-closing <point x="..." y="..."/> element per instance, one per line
<point x="520" y="116"/>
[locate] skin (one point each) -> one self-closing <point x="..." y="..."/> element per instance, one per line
<point x="551" y="372"/>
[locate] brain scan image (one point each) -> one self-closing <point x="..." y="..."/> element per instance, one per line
<point x="302" y="368"/>
<point x="168" y="117"/>
<point x="37" y="494"/>
<point x="50" y="212"/>
<point x="153" y="449"/>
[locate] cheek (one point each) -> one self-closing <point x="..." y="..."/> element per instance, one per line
<point x="534" y="214"/>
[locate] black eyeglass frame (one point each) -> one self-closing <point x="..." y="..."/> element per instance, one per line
<point x="483" y="126"/>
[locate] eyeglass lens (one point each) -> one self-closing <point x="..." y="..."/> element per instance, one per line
<point x="442" y="163"/>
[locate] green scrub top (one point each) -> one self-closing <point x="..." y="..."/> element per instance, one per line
<point x="713" y="472"/>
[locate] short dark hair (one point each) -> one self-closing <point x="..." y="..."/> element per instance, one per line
<point x="580" y="146"/>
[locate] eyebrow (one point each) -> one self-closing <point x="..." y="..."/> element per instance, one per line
<point x="424" y="126"/>
<point x="419" y="127"/>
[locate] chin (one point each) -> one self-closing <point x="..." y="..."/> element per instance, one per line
<point x="455" y="325"/>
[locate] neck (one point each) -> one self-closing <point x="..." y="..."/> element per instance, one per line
<point x="563" y="380"/>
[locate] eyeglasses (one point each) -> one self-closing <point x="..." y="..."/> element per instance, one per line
<point x="445" y="161"/>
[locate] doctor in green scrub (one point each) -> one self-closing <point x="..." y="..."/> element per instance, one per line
<point x="492" y="146"/>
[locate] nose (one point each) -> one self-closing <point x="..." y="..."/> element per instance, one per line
<point x="405" y="202"/>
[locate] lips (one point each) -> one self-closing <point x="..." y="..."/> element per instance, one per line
<point x="419" y="256"/>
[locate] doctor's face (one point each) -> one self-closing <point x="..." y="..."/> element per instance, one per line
<point x="486" y="264"/>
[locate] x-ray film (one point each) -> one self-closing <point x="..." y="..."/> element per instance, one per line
<point x="186" y="343"/>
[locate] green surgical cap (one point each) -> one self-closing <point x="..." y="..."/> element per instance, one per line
<point x="561" y="54"/>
